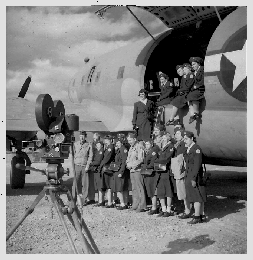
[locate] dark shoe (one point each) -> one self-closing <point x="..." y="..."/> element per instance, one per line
<point x="195" y="220"/>
<point x="161" y="214"/>
<point x="102" y="204"/>
<point x="170" y="122"/>
<point x="193" y="118"/>
<point x="153" y="211"/>
<point x="140" y="210"/>
<point x="122" y="207"/>
<point x="167" y="214"/>
<point x="89" y="202"/>
<point x="110" y="206"/>
<point x="203" y="218"/>
<point x="184" y="216"/>
<point x="176" y="122"/>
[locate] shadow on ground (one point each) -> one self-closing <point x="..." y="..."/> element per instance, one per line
<point x="183" y="245"/>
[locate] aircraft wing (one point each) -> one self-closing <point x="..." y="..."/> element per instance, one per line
<point x="92" y="126"/>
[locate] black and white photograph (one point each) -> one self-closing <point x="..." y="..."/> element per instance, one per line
<point x="125" y="127"/>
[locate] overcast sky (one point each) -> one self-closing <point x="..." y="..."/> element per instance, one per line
<point x="50" y="43"/>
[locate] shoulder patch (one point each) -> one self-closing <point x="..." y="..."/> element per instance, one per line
<point x="153" y="153"/>
<point x="197" y="151"/>
<point x="171" y="149"/>
<point x="191" y="76"/>
<point x="109" y="149"/>
<point x="125" y="151"/>
<point x="184" y="76"/>
<point x="100" y="153"/>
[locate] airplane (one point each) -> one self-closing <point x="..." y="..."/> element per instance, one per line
<point x="109" y="84"/>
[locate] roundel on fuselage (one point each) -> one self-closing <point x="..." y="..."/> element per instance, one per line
<point x="227" y="50"/>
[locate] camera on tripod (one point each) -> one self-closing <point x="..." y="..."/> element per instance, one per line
<point x="59" y="130"/>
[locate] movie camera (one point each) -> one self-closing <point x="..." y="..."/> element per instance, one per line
<point x="59" y="130"/>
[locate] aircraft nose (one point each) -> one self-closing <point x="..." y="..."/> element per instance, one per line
<point x="73" y="92"/>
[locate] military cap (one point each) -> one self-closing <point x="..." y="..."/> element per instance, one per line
<point x="109" y="137"/>
<point x="161" y="74"/>
<point x="118" y="140"/>
<point x="188" y="134"/>
<point x="143" y="91"/>
<point x="179" y="66"/>
<point x="196" y="59"/>
<point x="83" y="133"/>
<point x="179" y="128"/>
<point x="187" y="65"/>
<point x="131" y="135"/>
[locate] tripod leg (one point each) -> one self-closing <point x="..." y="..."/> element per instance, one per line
<point x="27" y="212"/>
<point x="53" y="198"/>
<point x="77" y="219"/>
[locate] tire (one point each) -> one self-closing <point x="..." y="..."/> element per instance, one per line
<point x="17" y="176"/>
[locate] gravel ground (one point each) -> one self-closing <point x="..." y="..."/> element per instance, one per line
<point x="127" y="232"/>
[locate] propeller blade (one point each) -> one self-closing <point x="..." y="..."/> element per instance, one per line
<point x="25" y="87"/>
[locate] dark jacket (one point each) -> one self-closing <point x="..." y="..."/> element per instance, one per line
<point x="199" y="78"/>
<point x="120" y="159"/>
<point x="165" y="154"/>
<point x="193" y="159"/>
<point x="149" y="159"/>
<point x="180" y="148"/>
<point x="186" y="84"/>
<point x="108" y="157"/>
<point x="97" y="158"/>
<point x="167" y="91"/>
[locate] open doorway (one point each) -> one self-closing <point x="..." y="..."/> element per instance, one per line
<point x="176" y="49"/>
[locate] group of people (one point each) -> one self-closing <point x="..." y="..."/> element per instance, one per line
<point x="158" y="169"/>
<point x="190" y="92"/>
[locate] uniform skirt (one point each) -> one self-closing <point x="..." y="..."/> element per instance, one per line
<point x="150" y="182"/>
<point x="144" y="131"/>
<point x="197" y="194"/>
<point x="196" y="94"/>
<point x="107" y="181"/>
<point x="166" y="186"/>
<point x="117" y="182"/>
<point x="179" y="101"/>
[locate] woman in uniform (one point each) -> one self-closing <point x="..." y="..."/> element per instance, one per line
<point x="97" y="158"/>
<point x="166" y="186"/>
<point x="194" y="184"/>
<point x="150" y="181"/>
<point x="157" y="135"/>
<point x="197" y="91"/>
<point x="119" y="176"/>
<point x="181" y="98"/>
<point x="143" y="116"/>
<point x="167" y="90"/>
<point x="107" y="175"/>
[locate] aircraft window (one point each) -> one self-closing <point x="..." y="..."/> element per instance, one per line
<point x="91" y="74"/>
<point x="98" y="76"/>
<point x="121" y="72"/>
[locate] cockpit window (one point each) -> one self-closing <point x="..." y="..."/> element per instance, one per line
<point x="121" y="72"/>
<point x="91" y="74"/>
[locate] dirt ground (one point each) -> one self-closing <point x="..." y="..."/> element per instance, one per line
<point x="127" y="232"/>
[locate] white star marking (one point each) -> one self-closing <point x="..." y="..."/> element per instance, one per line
<point x="238" y="58"/>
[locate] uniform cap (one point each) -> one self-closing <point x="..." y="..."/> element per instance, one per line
<point x="187" y="65"/>
<point x="131" y="135"/>
<point x="83" y="133"/>
<point x="109" y="137"/>
<point x="179" y="66"/>
<point x="143" y="91"/>
<point x="188" y="134"/>
<point x="179" y="128"/>
<point x="118" y="140"/>
<point x="196" y="59"/>
<point x="161" y="74"/>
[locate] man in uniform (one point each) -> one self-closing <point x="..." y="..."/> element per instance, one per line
<point x="82" y="158"/>
<point x="134" y="160"/>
